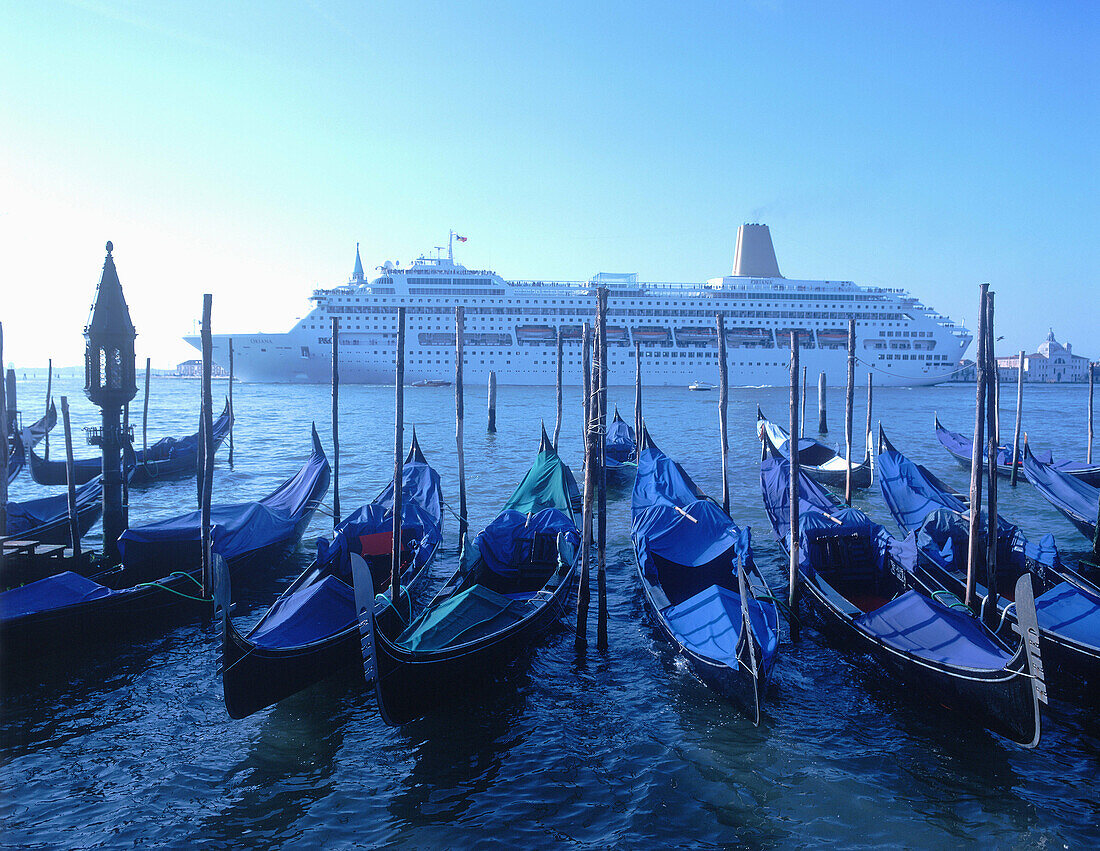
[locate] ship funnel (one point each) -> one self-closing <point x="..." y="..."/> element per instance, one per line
<point x="755" y="256"/>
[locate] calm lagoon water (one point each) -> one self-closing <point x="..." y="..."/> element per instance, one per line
<point x="129" y="743"/>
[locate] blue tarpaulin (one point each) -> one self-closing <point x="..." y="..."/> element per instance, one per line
<point x="910" y="493"/>
<point x="318" y="611"/>
<point x="1074" y="498"/>
<point x="915" y="624"/>
<point x="238" y="529"/>
<point x="661" y="480"/>
<point x="690" y="535"/>
<point x="620" y="445"/>
<point x="53" y="592"/>
<point x="710" y="622"/>
<point x="1072" y="612"/>
<point x="34" y="513"/>
<point x="512" y="538"/>
<point x="776" y="487"/>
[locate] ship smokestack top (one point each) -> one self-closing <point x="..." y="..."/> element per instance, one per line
<point x="755" y="255"/>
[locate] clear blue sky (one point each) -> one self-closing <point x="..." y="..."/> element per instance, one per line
<point x="243" y="148"/>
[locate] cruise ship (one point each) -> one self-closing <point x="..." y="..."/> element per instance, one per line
<point x="511" y="327"/>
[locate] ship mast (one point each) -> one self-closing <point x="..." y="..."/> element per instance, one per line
<point x="451" y="247"/>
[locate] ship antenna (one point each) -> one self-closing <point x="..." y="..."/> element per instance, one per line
<point x="451" y="247"/>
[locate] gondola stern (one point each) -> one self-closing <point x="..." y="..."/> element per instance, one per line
<point x="368" y="638"/>
<point x="545" y="444"/>
<point x="1028" y="626"/>
<point x="416" y="455"/>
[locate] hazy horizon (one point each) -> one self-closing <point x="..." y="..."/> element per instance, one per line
<point x="244" y="150"/>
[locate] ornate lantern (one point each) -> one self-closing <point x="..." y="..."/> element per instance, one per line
<point x="109" y="376"/>
<point x="110" y="383"/>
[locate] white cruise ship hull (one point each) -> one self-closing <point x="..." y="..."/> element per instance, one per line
<point x="511" y="328"/>
<point x="272" y="360"/>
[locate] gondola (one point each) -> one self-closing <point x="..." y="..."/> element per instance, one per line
<point x="959" y="446"/>
<point x="46" y="519"/>
<point x="40" y="428"/>
<point x="512" y="583"/>
<point x="620" y="447"/>
<point x="1067" y="604"/>
<point x="817" y="460"/>
<point x="702" y="586"/>
<point x="312" y="631"/>
<point x="857" y="583"/>
<point x="160" y="569"/>
<point x="1077" y="500"/>
<point x="167" y="458"/>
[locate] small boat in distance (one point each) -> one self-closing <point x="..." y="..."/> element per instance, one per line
<point x="701" y="385"/>
<point x="431" y="382"/>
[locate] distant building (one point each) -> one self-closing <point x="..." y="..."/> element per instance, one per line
<point x="193" y="369"/>
<point x="1053" y="363"/>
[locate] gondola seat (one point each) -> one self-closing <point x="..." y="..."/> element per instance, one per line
<point x="1069" y="611"/>
<point x="53" y="592"/>
<point x="710" y="623"/>
<point x="913" y="624"/>
<point x="316" y="612"/>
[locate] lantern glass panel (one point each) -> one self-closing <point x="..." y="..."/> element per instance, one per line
<point x="102" y="367"/>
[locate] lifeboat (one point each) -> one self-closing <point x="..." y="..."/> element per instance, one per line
<point x="697" y="336"/>
<point x="536" y="334"/>
<point x="652" y="334"/>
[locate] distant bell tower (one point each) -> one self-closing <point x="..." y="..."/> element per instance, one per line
<point x="110" y="383"/>
<point x="755" y="255"/>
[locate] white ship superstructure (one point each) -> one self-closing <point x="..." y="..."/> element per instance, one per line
<point x="511" y="327"/>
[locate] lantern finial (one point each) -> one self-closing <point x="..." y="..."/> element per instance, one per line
<point x="110" y="246"/>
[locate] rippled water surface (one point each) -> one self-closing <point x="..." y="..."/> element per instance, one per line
<point x="121" y="742"/>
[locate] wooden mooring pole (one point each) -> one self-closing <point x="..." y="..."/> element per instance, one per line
<point x="849" y="409"/>
<point x="1019" y="419"/>
<point x="49" y="399"/>
<point x="989" y="605"/>
<point x="557" y="396"/>
<point x="723" y="405"/>
<point x="145" y="416"/>
<point x="601" y="472"/>
<point x="1088" y="451"/>
<point x="335" y="421"/>
<point x="398" y="459"/>
<point x="637" y="397"/>
<point x="795" y="470"/>
<point x="492" y="402"/>
<point x="802" y="408"/>
<point x="232" y="413"/>
<point x="822" y="419"/>
<point x="583" y="591"/>
<point x="976" y="454"/>
<point x="460" y="416"/>
<point x="208" y="449"/>
<point x="870" y="400"/>
<point x="70" y="479"/>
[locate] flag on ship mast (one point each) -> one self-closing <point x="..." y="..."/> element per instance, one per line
<point x="460" y="238"/>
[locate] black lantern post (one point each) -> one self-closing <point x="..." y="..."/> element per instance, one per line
<point x="110" y="383"/>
